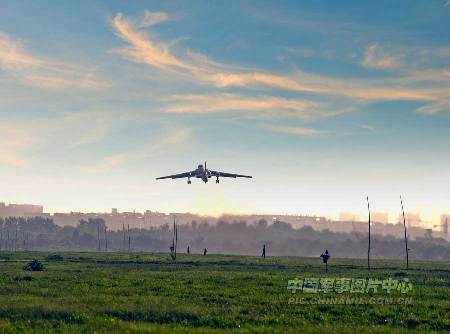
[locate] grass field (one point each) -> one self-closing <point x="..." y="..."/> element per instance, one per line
<point x="139" y="293"/>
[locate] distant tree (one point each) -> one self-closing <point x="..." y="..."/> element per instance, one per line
<point x="237" y="237"/>
<point x="262" y="224"/>
<point x="34" y="265"/>
<point x="91" y="225"/>
<point x="281" y="226"/>
<point x="54" y="258"/>
<point x="194" y="225"/>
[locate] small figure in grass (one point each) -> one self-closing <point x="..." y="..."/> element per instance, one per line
<point x="188" y="251"/>
<point x="34" y="265"/>
<point x="325" y="257"/>
<point x="264" y="251"/>
<point x="205" y="251"/>
<point x="172" y="252"/>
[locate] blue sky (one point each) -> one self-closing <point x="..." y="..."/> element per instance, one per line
<point x="323" y="102"/>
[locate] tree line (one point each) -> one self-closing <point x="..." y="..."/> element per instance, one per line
<point x="236" y="237"/>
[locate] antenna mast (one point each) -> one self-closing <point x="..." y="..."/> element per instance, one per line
<point x="123" y="233"/>
<point x="406" y="237"/>
<point x="368" y="248"/>
<point x="176" y="239"/>
<point x="129" y="239"/>
<point x="106" y="238"/>
<point x="98" y="235"/>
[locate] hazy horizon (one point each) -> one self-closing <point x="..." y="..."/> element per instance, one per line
<point x="322" y="103"/>
<point x="392" y="219"/>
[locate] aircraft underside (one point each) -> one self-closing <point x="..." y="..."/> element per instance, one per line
<point x="204" y="174"/>
<point x="204" y="178"/>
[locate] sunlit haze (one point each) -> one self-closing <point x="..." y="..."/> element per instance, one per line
<point x="322" y="102"/>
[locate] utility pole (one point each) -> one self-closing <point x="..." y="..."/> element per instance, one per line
<point x="176" y="239"/>
<point x="173" y="240"/>
<point x="98" y="236"/>
<point x="406" y="236"/>
<point x="129" y="239"/>
<point x="173" y="249"/>
<point x="123" y="232"/>
<point x="368" y="248"/>
<point x="106" y="238"/>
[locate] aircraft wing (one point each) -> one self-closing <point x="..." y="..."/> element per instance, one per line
<point x="177" y="176"/>
<point x="222" y="174"/>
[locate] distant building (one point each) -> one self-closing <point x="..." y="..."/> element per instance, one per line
<point x="349" y="217"/>
<point x="348" y="222"/>
<point x="445" y="219"/>
<point x="412" y="219"/>
<point x="21" y="210"/>
<point x="297" y="221"/>
<point x="380" y="217"/>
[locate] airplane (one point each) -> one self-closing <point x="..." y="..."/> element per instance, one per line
<point x="202" y="173"/>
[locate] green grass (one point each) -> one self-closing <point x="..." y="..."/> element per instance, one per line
<point x="140" y="293"/>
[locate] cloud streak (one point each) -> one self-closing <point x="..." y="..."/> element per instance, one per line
<point x="141" y="49"/>
<point x="152" y="18"/>
<point x="296" y="130"/>
<point x="215" y="103"/>
<point x="145" y="48"/>
<point x="376" y="57"/>
<point x="44" y="73"/>
<point x="67" y="132"/>
<point x="14" y="141"/>
<point x="86" y="127"/>
<point x="171" y="139"/>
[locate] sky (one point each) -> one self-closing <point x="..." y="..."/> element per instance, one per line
<point x="323" y="102"/>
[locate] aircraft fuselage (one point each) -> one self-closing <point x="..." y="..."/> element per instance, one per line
<point x="202" y="173"/>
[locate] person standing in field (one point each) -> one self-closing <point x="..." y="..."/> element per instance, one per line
<point x="204" y="252"/>
<point x="325" y="256"/>
<point x="264" y="251"/>
<point x="188" y="251"/>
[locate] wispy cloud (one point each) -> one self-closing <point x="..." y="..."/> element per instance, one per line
<point x="171" y="138"/>
<point x="14" y="141"/>
<point x="152" y="18"/>
<point x="198" y="69"/>
<point x="106" y="163"/>
<point x="405" y="59"/>
<point x="21" y="139"/>
<point x="296" y="130"/>
<point x="212" y="103"/>
<point x="45" y="73"/>
<point x="86" y="127"/>
<point x="143" y="49"/>
<point x="376" y="57"/>
<point x="436" y="107"/>
<point x="374" y="130"/>
<point x="302" y="52"/>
